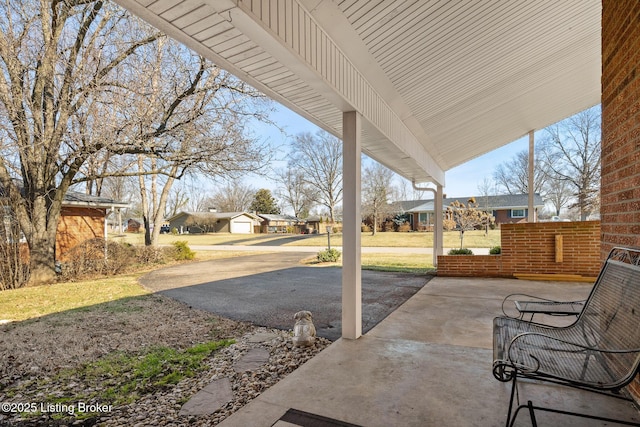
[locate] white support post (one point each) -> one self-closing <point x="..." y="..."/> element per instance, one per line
<point x="530" y="184"/>
<point x="438" y="241"/>
<point x="351" y="221"/>
<point x="437" y="226"/>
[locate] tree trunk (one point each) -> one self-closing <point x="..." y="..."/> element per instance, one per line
<point x="41" y="225"/>
<point x="42" y="262"/>
<point x="582" y="203"/>
<point x="147" y="230"/>
<point x="144" y="201"/>
<point x="375" y="225"/>
<point x="42" y="249"/>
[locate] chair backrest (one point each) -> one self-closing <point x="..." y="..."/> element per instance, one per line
<point x="610" y="319"/>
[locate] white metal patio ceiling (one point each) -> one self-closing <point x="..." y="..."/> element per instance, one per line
<point x="438" y="82"/>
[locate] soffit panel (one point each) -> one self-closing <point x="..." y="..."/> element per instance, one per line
<point x="479" y="74"/>
<point x="465" y="77"/>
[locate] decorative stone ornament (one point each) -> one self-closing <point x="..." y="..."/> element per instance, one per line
<point x="304" y="332"/>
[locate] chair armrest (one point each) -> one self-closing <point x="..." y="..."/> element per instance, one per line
<point x="513" y="297"/>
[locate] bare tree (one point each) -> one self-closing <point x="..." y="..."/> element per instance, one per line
<point x="118" y="187"/>
<point x="572" y="153"/>
<point x="233" y="196"/>
<point x="376" y="188"/>
<point x="512" y="176"/>
<point x="76" y="76"/>
<point x="57" y="58"/>
<point x="404" y="190"/>
<point x="179" y="198"/>
<point x="485" y="189"/>
<point x="468" y="217"/>
<point x="295" y="191"/>
<point x="559" y="194"/>
<point x="319" y="158"/>
<point x="13" y="271"/>
<point x="204" y="112"/>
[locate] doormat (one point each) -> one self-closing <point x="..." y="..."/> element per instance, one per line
<point x="306" y="419"/>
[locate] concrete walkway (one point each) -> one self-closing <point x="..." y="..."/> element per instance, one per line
<point x="426" y="364"/>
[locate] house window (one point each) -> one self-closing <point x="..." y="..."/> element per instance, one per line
<point x="518" y="213"/>
<point x="423" y="218"/>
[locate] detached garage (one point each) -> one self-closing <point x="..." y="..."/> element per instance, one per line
<point x="213" y="222"/>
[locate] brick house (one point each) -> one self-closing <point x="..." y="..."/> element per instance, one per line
<point x="83" y="217"/>
<point x="507" y="209"/>
<point x="276" y="223"/>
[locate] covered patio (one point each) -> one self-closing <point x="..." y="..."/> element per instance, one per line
<point x="419" y="86"/>
<point x="427" y="364"/>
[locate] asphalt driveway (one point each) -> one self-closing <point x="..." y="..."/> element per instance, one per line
<point x="267" y="290"/>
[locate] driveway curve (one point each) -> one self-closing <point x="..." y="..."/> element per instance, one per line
<point x="267" y="289"/>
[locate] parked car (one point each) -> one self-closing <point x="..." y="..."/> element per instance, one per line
<point x="165" y="229"/>
<point x="556" y="218"/>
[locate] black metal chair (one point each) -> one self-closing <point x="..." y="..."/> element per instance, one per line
<point x="599" y="352"/>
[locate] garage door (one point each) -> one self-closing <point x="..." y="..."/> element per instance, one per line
<point x="241" y="227"/>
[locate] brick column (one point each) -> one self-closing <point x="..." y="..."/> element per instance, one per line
<point x="620" y="189"/>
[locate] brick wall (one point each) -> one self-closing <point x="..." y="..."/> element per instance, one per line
<point x="77" y="225"/>
<point x="471" y="266"/>
<point x="532" y="248"/>
<point x="620" y="186"/>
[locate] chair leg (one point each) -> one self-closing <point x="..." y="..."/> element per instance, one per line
<point x="532" y="414"/>
<point x="514" y="387"/>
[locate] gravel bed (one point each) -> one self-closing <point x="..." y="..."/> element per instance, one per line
<point x="161" y="409"/>
<point x="38" y="350"/>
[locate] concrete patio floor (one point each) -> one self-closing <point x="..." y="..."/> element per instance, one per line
<point x="428" y="364"/>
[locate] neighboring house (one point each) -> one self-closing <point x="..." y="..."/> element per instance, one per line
<point x="83" y="217"/>
<point x="271" y="223"/>
<point x="136" y="225"/>
<point x="314" y="225"/>
<point x="508" y="208"/>
<point x="213" y="222"/>
<point x="133" y="225"/>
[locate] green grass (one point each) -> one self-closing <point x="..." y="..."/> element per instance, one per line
<point x="27" y="303"/>
<point x="472" y="239"/>
<point x="121" y="378"/>
<point x="400" y="263"/>
<point x="451" y="239"/>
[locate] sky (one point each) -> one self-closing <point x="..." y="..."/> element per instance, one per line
<point x="461" y="181"/>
